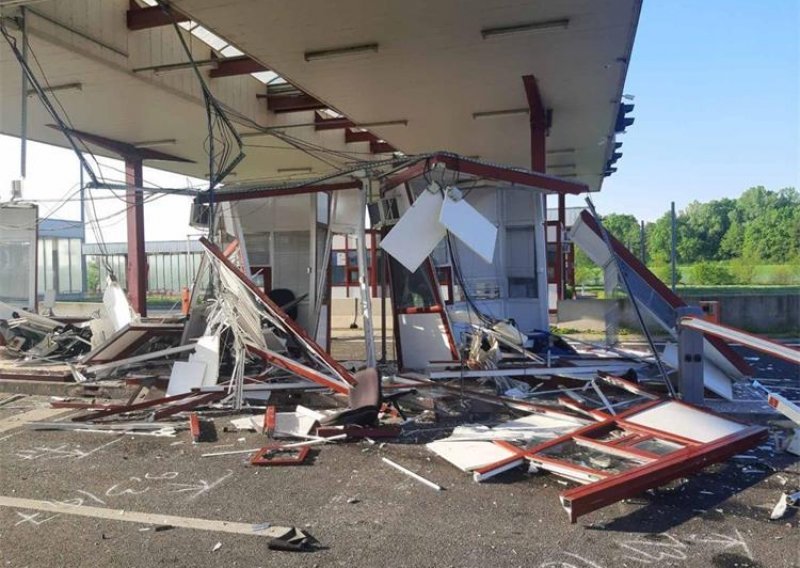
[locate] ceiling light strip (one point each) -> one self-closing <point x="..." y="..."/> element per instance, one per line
<point x="549" y="25"/>
<point x="340" y="51"/>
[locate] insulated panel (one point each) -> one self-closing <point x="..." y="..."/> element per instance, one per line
<point x="472" y="228"/>
<point x="423" y="339"/>
<point x="417" y="233"/>
<point x="469" y="456"/>
<point x="185" y="376"/>
<point x="686" y="421"/>
<point x="18" y="243"/>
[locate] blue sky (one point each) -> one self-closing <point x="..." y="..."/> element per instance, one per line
<point x="717" y="90"/>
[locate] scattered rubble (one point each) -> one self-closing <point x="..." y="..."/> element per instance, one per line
<point x="237" y="355"/>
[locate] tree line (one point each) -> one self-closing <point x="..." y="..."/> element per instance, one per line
<point x="760" y="227"/>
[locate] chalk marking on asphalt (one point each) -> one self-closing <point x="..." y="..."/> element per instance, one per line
<point x="101" y="447"/>
<point x="35" y="415"/>
<point x="145" y="518"/>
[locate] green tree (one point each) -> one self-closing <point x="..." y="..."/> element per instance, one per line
<point x="625" y="228"/>
<point x="92" y="277"/>
<point x="659" y="238"/>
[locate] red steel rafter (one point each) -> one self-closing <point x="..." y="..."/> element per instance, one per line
<point x="288" y="322"/>
<point x="152" y="17"/>
<point x="232" y="66"/>
<point x="292" y="102"/>
<point x="244" y="195"/>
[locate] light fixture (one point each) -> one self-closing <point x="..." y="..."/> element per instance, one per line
<point x="340" y="51"/>
<point x="305" y="170"/>
<point x="561" y="152"/>
<point x="547" y="25"/>
<point x="178" y="66"/>
<point x="152" y="143"/>
<point x="403" y="122"/>
<point x="266" y="130"/>
<point x="64" y="87"/>
<point x="505" y="112"/>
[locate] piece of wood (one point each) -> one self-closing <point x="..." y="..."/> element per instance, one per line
<point x="412" y="475"/>
<point x="123" y="515"/>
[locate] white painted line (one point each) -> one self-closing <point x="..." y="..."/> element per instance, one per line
<point x="144" y="518"/>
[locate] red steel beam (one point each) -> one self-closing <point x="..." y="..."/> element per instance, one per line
<point x="259" y="194"/>
<point x="663" y="290"/>
<point x="380" y="147"/>
<point x="124" y="149"/>
<point x="198" y="400"/>
<point x="276" y="310"/>
<point x="538" y="122"/>
<point x="232" y="66"/>
<point x="137" y="260"/>
<point x="292" y="102"/>
<point x="194" y="427"/>
<point x="270" y="419"/>
<point x="588" y="498"/>
<point x="411" y="172"/>
<point x="131" y="407"/>
<point x="351" y="136"/>
<point x="489" y="171"/>
<point x="152" y="17"/>
<point x="509" y="175"/>
<point x="298" y="369"/>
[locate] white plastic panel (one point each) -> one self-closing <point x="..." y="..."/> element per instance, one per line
<point x="423" y="339"/>
<point x="469" y="456"/>
<point x="417" y="233"/>
<point x="345" y="214"/>
<point x="686" y="421"/>
<point x="472" y="228"/>
<point x="185" y="376"/>
<point x="18" y="255"/>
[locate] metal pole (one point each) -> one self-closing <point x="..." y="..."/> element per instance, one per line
<point x="673" y="248"/>
<point x="85" y="277"/>
<point x="23" y="136"/>
<point x="642" y="246"/>
<point x="188" y="262"/>
<point x="384" y="276"/>
<point x="624" y="278"/>
<point x="366" y="301"/>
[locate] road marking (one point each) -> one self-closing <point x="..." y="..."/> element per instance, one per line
<point x="145" y="518"/>
<point x="35" y="415"/>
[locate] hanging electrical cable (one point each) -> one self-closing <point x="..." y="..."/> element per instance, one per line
<point x="222" y="136"/>
<point x="45" y="100"/>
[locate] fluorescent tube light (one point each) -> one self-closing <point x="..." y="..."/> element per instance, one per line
<point x="153" y="143"/>
<point x="561" y="152"/>
<point x="53" y="88"/>
<point x="529" y="27"/>
<point x="505" y="112"/>
<point x="340" y="51"/>
<point x="294" y="170"/>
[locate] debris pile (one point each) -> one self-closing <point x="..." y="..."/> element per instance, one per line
<point x="239" y="357"/>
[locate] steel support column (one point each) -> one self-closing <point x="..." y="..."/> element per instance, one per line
<point x="363" y="285"/>
<point x="560" y="273"/>
<point x="137" y="261"/>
